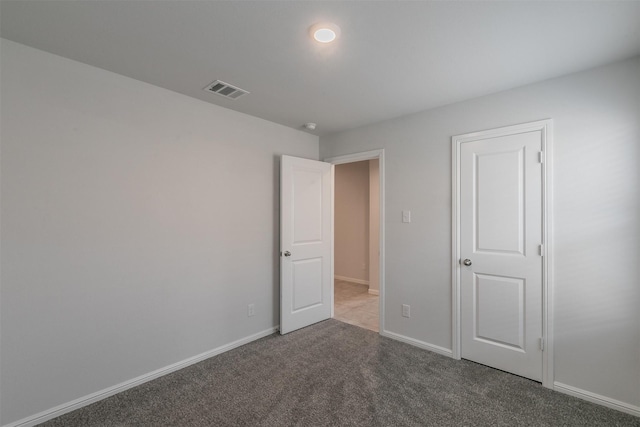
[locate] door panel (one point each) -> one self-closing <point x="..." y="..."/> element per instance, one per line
<point x="306" y="195"/>
<point x="499" y="310"/>
<point x="500" y="233"/>
<point x="307" y="204"/>
<point x="500" y="201"/>
<point x="307" y="284"/>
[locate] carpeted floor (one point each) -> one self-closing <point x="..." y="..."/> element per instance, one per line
<point x="335" y="374"/>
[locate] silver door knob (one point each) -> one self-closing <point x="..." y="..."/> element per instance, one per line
<point x="287" y="253"/>
<point x="467" y="262"/>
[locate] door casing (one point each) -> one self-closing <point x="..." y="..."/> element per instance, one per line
<point x="545" y="127"/>
<point x="357" y="157"/>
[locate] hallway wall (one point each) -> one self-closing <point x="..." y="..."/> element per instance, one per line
<point x="351" y="222"/>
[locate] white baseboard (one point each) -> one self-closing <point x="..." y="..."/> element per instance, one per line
<point x="351" y="279"/>
<point x="110" y="391"/>
<point x="374" y="292"/>
<point x="418" y="343"/>
<point x="597" y="398"/>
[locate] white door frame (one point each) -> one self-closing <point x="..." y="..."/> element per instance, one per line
<point x="544" y="126"/>
<point x="358" y="157"/>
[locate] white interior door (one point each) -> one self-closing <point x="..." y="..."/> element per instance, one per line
<point x="500" y="249"/>
<point x="306" y="242"/>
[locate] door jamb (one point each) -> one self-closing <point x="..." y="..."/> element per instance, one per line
<point x="546" y="127"/>
<point x="357" y="157"/>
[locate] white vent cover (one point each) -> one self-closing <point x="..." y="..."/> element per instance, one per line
<point x="225" y="89"/>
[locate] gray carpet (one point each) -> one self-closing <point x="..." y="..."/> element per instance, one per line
<point x="335" y="374"/>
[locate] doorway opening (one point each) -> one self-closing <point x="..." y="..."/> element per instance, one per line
<point x="356" y="236"/>
<point x="358" y="240"/>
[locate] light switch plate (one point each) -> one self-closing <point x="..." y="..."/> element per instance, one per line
<point x="406" y="216"/>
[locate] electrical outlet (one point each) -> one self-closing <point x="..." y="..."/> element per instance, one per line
<point x="406" y="310"/>
<point x="251" y="310"/>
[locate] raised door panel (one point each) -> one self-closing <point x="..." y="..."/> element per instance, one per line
<point x="307" y="284"/>
<point x="499" y="201"/>
<point x="499" y="310"/>
<point x="307" y="205"/>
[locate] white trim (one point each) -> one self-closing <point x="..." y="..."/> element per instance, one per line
<point x="358" y="157"/>
<point x="418" y="343"/>
<point x="374" y="292"/>
<point x="455" y="250"/>
<point x="118" y="388"/>
<point x="333" y="232"/>
<point x="546" y="127"/>
<point x="351" y="279"/>
<point x="355" y="157"/>
<point x="597" y="399"/>
<point x="548" y="376"/>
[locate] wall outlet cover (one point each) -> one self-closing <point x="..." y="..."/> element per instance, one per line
<point x="406" y="310"/>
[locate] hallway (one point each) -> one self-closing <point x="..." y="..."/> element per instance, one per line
<point x="355" y="305"/>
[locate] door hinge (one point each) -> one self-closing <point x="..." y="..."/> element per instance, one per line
<point x="541" y="250"/>
<point x="541" y="343"/>
<point x="540" y="157"/>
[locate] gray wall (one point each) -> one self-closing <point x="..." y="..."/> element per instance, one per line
<point x="137" y="224"/>
<point x="597" y="213"/>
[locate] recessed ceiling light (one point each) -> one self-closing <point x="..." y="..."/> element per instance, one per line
<point x="325" y="33"/>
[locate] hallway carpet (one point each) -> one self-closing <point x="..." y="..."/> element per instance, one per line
<point x="335" y="374"/>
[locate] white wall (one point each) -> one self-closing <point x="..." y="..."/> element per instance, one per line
<point x="137" y="224"/>
<point x="597" y="213"/>
<point x="351" y="221"/>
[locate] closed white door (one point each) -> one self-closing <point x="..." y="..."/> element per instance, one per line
<point x="306" y="242"/>
<point x="501" y="262"/>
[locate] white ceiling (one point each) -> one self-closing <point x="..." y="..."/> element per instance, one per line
<point x="392" y="58"/>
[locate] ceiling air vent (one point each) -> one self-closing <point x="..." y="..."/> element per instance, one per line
<point x="225" y="89"/>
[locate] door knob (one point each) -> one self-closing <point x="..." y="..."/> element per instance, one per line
<point x="287" y="253"/>
<point x="467" y="262"/>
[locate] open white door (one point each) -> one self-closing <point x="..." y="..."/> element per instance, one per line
<point x="306" y="242"/>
